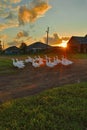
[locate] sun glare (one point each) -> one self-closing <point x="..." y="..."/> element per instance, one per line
<point x="63" y="44"/>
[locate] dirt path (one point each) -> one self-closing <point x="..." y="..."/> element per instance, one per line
<point x="31" y="80"/>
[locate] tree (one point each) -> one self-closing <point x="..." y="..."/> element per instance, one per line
<point x="23" y="48"/>
<point x="1" y="48"/>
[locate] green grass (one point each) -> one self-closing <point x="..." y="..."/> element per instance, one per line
<point x="78" y="56"/>
<point x="63" y="108"/>
<point x="6" y="66"/>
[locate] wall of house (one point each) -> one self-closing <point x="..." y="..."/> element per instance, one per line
<point x="85" y="48"/>
<point x="74" y="46"/>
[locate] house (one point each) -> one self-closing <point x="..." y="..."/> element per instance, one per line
<point x="37" y="46"/>
<point x="78" y="44"/>
<point x="12" y="50"/>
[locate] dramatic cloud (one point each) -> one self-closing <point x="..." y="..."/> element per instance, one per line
<point x="12" y="43"/>
<point x="8" y="22"/>
<point x="8" y="25"/>
<point x="29" y="40"/>
<point x="19" y="12"/>
<point x="8" y="13"/>
<point x="10" y="16"/>
<point x="3" y="37"/>
<point x="55" y="39"/>
<point x="22" y="34"/>
<point x="65" y="38"/>
<point x="17" y="42"/>
<point x="7" y="6"/>
<point x="37" y="9"/>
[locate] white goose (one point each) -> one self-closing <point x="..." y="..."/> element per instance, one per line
<point x="49" y="63"/>
<point x="29" y="59"/>
<point x="19" y="61"/>
<point x="56" y="60"/>
<point x="17" y="64"/>
<point x="35" y="63"/>
<point x="41" y="61"/>
<point x="66" y="61"/>
<point x="14" y="62"/>
<point x="69" y="62"/>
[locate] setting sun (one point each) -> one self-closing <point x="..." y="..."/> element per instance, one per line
<point x="63" y="44"/>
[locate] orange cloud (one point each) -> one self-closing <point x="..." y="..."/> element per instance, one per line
<point x="38" y="9"/>
<point x="54" y="39"/>
<point x="8" y="25"/>
<point x="4" y="37"/>
<point x="22" y="34"/>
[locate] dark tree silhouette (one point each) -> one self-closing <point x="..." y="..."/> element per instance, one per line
<point x="1" y="49"/>
<point x="23" y="48"/>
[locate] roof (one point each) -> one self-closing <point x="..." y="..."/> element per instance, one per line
<point x="12" y="48"/>
<point x="81" y="40"/>
<point x="38" y="45"/>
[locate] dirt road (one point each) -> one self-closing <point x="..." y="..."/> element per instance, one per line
<point x="29" y="80"/>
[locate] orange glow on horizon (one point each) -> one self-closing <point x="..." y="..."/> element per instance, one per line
<point x="63" y="44"/>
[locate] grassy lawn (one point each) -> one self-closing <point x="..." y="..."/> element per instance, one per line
<point x="6" y="66"/>
<point x="78" y="56"/>
<point x="62" y="108"/>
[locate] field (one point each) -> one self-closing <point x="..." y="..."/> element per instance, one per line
<point x="60" y="108"/>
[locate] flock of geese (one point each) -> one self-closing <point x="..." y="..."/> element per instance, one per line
<point x="38" y="61"/>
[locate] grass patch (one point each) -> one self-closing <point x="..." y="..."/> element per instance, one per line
<point x="6" y="66"/>
<point x="78" y="56"/>
<point x="63" y="108"/>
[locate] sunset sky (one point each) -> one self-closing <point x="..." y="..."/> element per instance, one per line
<point x="28" y="20"/>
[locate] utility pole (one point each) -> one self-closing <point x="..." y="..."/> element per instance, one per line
<point x="47" y="34"/>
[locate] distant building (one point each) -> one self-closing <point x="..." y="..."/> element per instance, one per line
<point x="37" y="46"/>
<point x="78" y="44"/>
<point x="12" y="50"/>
